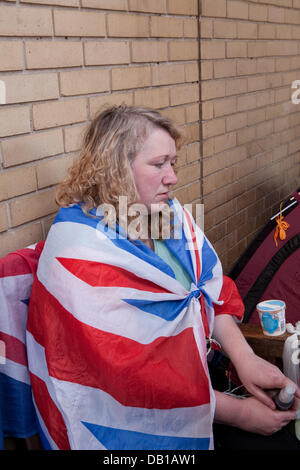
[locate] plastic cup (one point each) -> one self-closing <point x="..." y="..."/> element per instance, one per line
<point x="272" y="317"/>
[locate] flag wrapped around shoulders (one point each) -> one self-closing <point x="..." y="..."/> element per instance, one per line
<point x="116" y="345"/>
<point x="17" y="414"/>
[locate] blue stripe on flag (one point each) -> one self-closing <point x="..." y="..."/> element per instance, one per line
<point x="168" y="310"/>
<point x="18" y="413"/>
<point x="119" y="439"/>
<point x="210" y="262"/>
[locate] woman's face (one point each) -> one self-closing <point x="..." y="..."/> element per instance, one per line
<point x="153" y="169"/>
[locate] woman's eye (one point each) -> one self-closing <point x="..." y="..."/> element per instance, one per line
<point x="158" y="165"/>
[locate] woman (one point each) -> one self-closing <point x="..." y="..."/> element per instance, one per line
<point x="120" y="319"/>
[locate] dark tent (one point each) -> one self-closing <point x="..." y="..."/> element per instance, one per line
<point x="270" y="270"/>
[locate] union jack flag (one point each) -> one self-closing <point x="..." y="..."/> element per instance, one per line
<point x="17" y="414"/>
<point x="116" y="345"/>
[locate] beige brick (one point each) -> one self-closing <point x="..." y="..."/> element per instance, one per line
<point x="257" y="83"/>
<point x="16" y="21"/>
<point x="237" y="121"/>
<point x="105" y="4"/>
<point x="159" y="6"/>
<point x="3" y="220"/>
<point x="190" y="27"/>
<point x="184" y="94"/>
<point x="266" y="31"/>
<point x="53" y="54"/>
<point x="191" y="72"/>
<point x="27" y="208"/>
<point x="207" y="108"/>
<point x="225" y="68"/>
<point x="224" y="142"/>
<point x="236" y="49"/>
<point x="81" y="82"/>
<point x="14" y="121"/>
<point x="246" y="66"/>
<point x="284" y="31"/>
<point x="162" y="26"/>
<point x="183" y="50"/>
<point x="213" y="128"/>
<point x="192" y="132"/>
<point x="130" y="77"/>
<point x="216" y="8"/>
<point x="218" y="180"/>
<point x="224" y="106"/>
<point x="65" y="3"/>
<point x="19" y="238"/>
<point x="236" y="87"/>
<point x="153" y="97"/>
<point x="207" y="69"/>
<point x="265" y="65"/>
<point x="73" y="137"/>
<point x="206" y="28"/>
<point x="149" y="51"/>
<point x="188" y="174"/>
<point x="31" y="87"/>
<point x="258" y="12"/>
<point x="224" y="29"/>
<point x="237" y="9"/>
<point x="282" y="48"/>
<point x="11" y="53"/>
<point x="258" y="115"/>
<point x="192" y="113"/>
<point x="178" y="7"/>
<point x="212" y="89"/>
<point x="246" y="30"/>
<point x="130" y="25"/>
<point x="167" y="74"/>
<point x="32" y="147"/>
<point x="214" y="49"/>
<point x="99" y="102"/>
<point x="193" y="152"/>
<point x="246" y="102"/>
<point x="275" y="15"/>
<point x="106" y="52"/>
<point x="79" y="23"/>
<point x="58" y="113"/>
<point x="53" y="171"/>
<point x="177" y="115"/>
<point x="16" y="182"/>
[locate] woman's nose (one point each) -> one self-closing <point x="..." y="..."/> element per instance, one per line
<point x="170" y="177"/>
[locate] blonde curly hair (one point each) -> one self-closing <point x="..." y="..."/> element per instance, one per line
<point x="103" y="171"/>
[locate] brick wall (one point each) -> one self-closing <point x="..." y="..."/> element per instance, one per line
<point x="61" y="60"/>
<point x="250" y="127"/>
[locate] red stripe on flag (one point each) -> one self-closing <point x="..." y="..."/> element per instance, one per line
<point x="50" y="413"/>
<point x="194" y="240"/>
<point x="105" y="275"/>
<point x="22" y="261"/>
<point x="232" y="301"/>
<point x="164" y="374"/>
<point x="15" y="350"/>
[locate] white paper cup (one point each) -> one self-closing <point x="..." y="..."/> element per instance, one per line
<point x="272" y="317"/>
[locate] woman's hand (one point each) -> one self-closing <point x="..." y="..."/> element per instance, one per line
<point x="250" y="414"/>
<point x="258" y="376"/>
<point x="260" y="419"/>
